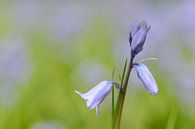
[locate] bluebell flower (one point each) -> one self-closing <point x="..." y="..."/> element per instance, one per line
<point x="138" y="37"/>
<point x="96" y="95"/>
<point x="134" y="28"/>
<point x="146" y="77"/>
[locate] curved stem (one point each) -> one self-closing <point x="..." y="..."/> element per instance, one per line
<point x="121" y="97"/>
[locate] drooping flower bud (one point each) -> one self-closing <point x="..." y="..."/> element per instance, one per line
<point x="146" y="77"/>
<point x="138" y="39"/>
<point x="96" y="95"/>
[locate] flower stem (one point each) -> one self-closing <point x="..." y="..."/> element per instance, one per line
<point x="121" y="97"/>
<point x="112" y="103"/>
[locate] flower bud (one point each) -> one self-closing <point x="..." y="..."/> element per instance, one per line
<point x="139" y="38"/>
<point x="96" y="95"/>
<point x="146" y="77"/>
<point x="134" y="28"/>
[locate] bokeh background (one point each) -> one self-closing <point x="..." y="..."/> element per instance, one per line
<point x="50" y="48"/>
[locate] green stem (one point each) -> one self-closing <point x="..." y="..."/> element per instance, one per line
<point x="122" y="79"/>
<point x="121" y="97"/>
<point x="112" y="103"/>
<point x="124" y="70"/>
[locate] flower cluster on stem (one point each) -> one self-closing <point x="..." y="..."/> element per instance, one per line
<point x="96" y="95"/>
<point x="137" y="37"/>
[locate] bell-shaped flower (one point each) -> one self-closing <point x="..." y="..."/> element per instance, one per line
<point x="96" y="95"/>
<point x="139" y="38"/>
<point x="146" y="77"/>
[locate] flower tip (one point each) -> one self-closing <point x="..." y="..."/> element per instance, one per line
<point x="97" y="111"/>
<point x="77" y="92"/>
<point x="155" y="91"/>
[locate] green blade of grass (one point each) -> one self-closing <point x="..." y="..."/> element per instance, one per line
<point x="172" y="118"/>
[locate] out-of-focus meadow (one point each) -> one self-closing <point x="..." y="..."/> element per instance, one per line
<point x="49" y="49"/>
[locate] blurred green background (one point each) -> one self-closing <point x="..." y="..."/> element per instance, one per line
<point x="49" y="49"/>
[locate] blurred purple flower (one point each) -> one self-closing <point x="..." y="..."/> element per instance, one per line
<point x="14" y="61"/>
<point x="146" y="77"/>
<point x="96" y="95"/>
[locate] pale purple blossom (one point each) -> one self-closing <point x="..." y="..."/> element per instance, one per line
<point x="146" y="77"/>
<point x="96" y="95"/>
<point x="134" y="28"/>
<point x="138" y="36"/>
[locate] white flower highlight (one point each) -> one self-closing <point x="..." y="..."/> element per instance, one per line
<point x="146" y="77"/>
<point x="96" y="95"/>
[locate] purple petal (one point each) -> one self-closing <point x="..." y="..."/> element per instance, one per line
<point x="146" y="77"/>
<point x="96" y="95"/>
